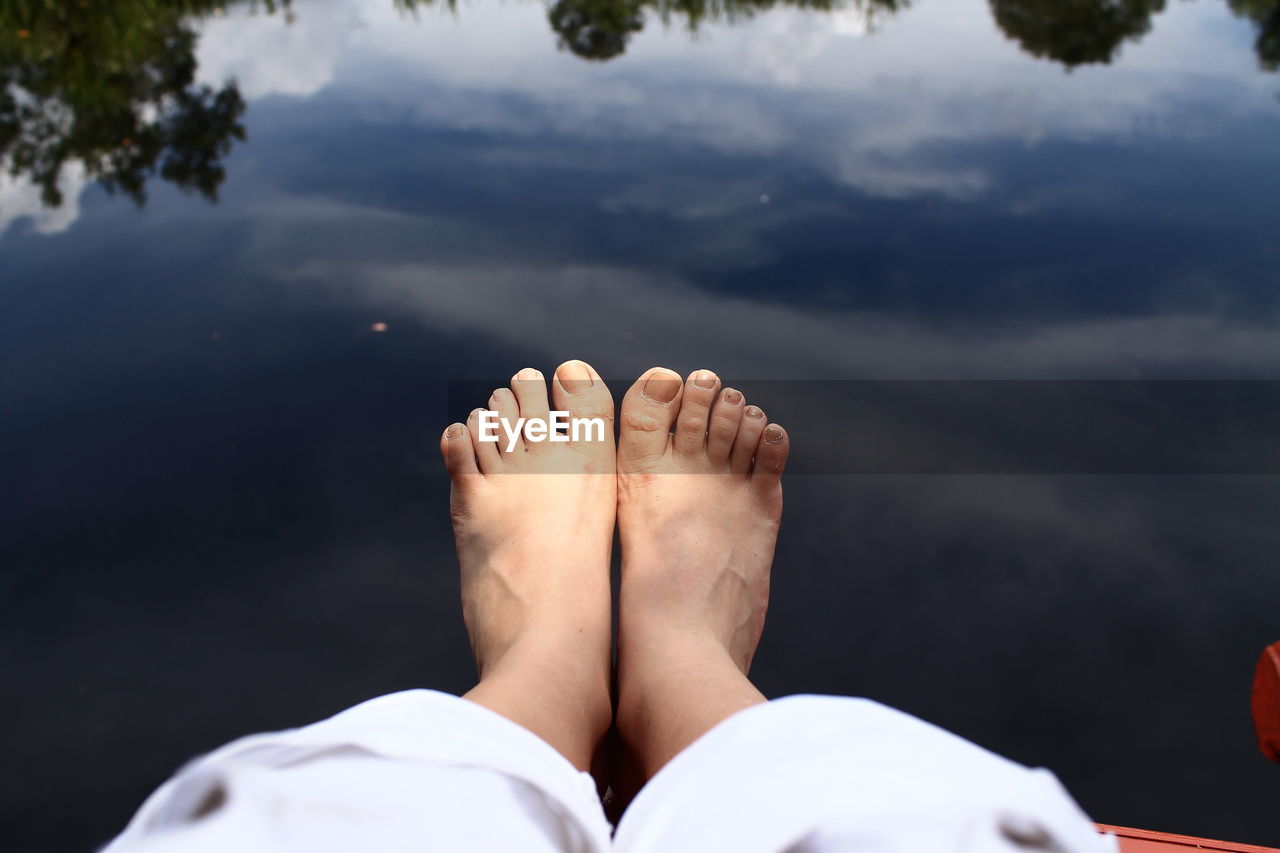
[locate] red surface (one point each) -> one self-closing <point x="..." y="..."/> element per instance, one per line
<point x="1145" y="841"/>
<point x="1266" y="702"/>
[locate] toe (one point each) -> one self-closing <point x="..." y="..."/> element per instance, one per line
<point x="486" y="438"/>
<point x="744" y="444"/>
<point x="648" y="411"/>
<point x="695" y="412"/>
<point x="530" y="389"/>
<point x="459" y="454"/>
<point x="726" y="415"/>
<point x="578" y="389"/>
<point x="771" y="458"/>
<point x="504" y="403"/>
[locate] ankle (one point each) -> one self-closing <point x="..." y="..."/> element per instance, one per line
<point x="674" y="683"/>
<point x="557" y="687"/>
<point x="657" y="725"/>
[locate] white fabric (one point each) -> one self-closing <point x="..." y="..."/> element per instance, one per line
<point x="421" y="770"/>
<point x="824" y="774"/>
<point x="417" y="770"/>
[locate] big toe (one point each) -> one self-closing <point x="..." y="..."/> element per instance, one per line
<point x="648" y="411"/>
<point x="578" y="389"/>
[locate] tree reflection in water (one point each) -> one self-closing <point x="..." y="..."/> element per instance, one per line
<point x="1265" y="14"/>
<point x="1081" y="32"/>
<point x="599" y="29"/>
<point x="1074" y="32"/>
<point x="112" y="87"/>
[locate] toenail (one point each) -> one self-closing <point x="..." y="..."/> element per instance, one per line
<point x="773" y="434"/>
<point x="455" y="430"/>
<point x="732" y="396"/>
<point x="704" y="379"/>
<point x="754" y="412"/>
<point x="528" y="374"/>
<point x="574" y="376"/>
<point x="661" y="387"/>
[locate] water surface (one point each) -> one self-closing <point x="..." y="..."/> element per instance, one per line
<point x="222" y="510"/>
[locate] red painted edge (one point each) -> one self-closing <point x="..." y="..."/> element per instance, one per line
<point x="1266" y="702"/>
<point x="1146" y="839"/>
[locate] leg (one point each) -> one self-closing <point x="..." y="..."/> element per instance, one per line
<point x="698" y="511"/>
<point x="534" y="529"/>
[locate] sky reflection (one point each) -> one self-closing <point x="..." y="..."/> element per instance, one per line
<point x="956" y="56"/>
<point x="930" y="201"/>
<point x="219" y="496"/>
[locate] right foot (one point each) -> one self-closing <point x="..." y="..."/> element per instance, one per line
<point x="698" y="513"/>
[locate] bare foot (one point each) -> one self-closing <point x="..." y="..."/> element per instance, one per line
<point x="534" y="531"/>
<point x="698" y="512"/>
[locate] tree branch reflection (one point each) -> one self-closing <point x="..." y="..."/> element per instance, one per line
<point x="111" y="85"/>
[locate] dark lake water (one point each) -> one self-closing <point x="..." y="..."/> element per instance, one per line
<point x="222" y="510"/>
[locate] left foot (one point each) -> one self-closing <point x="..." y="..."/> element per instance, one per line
<point x="534" y="531"/>
<point x="699" y="505"/>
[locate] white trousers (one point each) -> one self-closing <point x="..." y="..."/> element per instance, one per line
<point x="425" y="771"/>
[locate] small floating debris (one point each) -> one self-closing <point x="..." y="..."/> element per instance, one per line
<point x="764" y="199"/>
<point x="378" y="327"/>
